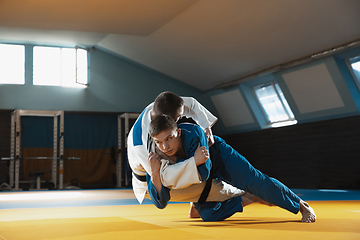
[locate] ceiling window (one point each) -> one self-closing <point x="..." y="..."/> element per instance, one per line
<point x="12" y="64"/>
<point x="66" y="67"/>
<point x="274" y="105"/>
<point x="354" y="64"/>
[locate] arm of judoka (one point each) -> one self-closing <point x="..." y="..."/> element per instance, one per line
<point x="198" y="113"/>
<point x="179" y="175"/>
<point x="161" y="196"/>
<point x="155" y="180"/>
<point x="138" y="159"/>
<point x="199" y="138"/>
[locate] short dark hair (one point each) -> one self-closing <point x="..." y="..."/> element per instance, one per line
<point x="161" y="123"/>
<point x="168" y="103"/>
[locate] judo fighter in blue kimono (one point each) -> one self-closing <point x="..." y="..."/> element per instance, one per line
<point x="175" y="144"/>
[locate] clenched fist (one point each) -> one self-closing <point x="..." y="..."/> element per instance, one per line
<point x="201" y="155"/>
<point x="154" y="163"/>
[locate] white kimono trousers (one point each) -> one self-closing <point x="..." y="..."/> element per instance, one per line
<point x="178" y="175"/>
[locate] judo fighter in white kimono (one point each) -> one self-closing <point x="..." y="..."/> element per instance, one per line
<point x="182" y="177"/>
<point x="177" y="143"/>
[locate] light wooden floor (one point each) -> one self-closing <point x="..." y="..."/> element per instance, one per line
<point x="114" y="214"/>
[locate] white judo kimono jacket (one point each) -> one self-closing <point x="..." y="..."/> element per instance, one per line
<point x="177" y="176"/>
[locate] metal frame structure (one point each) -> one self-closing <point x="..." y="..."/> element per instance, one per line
<point x="15" y="151"/>
<point x="126" y="117"/>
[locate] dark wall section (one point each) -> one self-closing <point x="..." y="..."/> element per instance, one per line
<point x="318" y="155"/>
<point x="5" y="131"/>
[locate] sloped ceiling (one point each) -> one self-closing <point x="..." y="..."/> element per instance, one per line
<point x="203" y="43"/>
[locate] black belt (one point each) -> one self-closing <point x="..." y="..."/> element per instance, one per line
<point x="205" y="193"/>
<point x="140" y="178"/>
<point x="217" y="164"/>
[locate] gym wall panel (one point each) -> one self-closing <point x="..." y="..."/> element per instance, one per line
<point x="38" y="132"/>
<point x="94" y="167"/>
<point x="232" y="108"/>
<point x="313" y="89"/>
<point x="316" y="155"/>
<point x="90" y="130"/>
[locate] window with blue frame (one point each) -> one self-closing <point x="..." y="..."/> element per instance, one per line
<point x="274" y="105"/>
<point x="12" y="64"/>
<point x="354" y="64"/>
<point x="55" y="66"/>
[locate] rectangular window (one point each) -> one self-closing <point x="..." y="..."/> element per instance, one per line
<point x="67" y="67"/>
<point x="354" y="64"/>
<point x="275" y="107"/>
<point x="81" y="66"/>
<point x="12" y="64"/>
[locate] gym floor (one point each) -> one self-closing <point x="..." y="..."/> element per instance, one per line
<point x="115" y="214"/>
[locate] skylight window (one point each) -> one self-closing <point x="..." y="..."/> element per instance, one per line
<point x="12" y="64"/>
<point x="355" y="68"/>
<point x="275" y="107"/>
<point x="67" y="67"/>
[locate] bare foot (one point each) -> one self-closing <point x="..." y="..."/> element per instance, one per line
<point x="308" y="214"/>
<point x="193" y="213"/>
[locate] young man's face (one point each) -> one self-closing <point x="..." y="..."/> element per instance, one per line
<point x="168" y="141"/>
